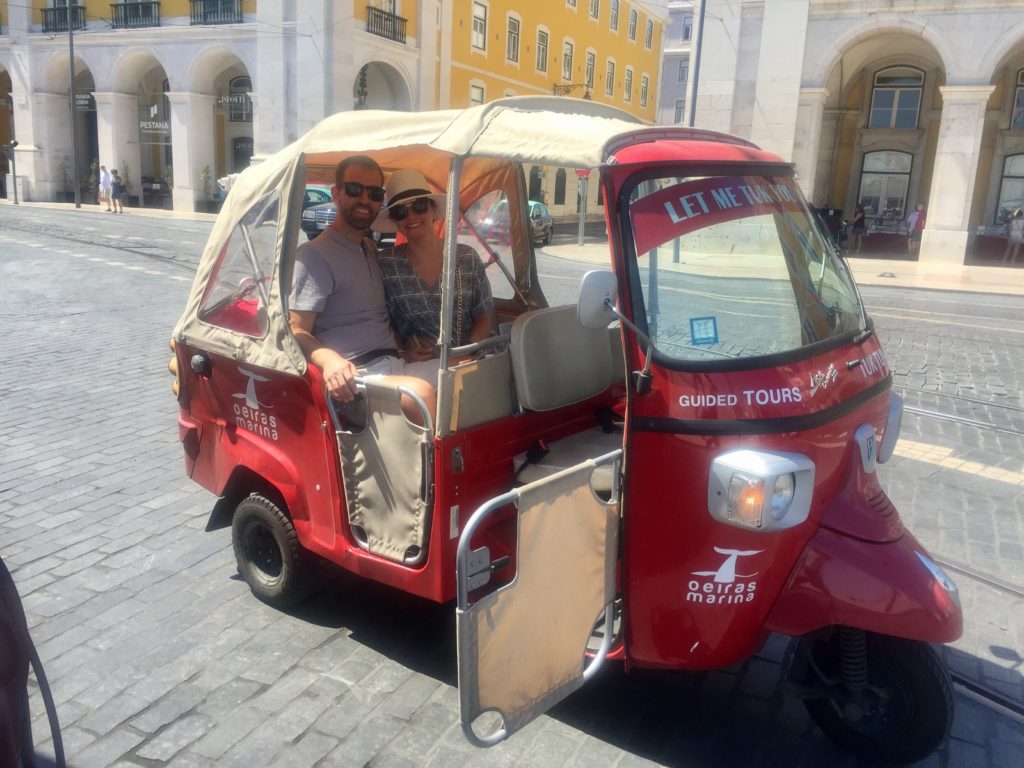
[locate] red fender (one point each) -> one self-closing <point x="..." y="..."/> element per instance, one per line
<point x="881" y="587"/>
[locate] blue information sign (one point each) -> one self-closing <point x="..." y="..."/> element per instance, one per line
<point x="703" y="330"/>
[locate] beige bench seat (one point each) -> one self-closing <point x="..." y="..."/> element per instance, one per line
<point x="556" y="362"/>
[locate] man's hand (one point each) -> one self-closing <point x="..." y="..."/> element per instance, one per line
<point x="339" y="374"/>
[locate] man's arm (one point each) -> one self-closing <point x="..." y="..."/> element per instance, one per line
<point x="339" y="374"/>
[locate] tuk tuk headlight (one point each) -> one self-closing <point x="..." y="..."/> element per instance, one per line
<point x="782" y="495"/>
<point x="760" y="490"/>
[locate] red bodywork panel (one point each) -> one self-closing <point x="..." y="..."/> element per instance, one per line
<point x="276" y="426"/>
<point x="880" y="587"/>
<point x="682" y="609"/>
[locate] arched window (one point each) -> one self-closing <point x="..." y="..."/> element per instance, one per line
<point x="884" y="181"/>
<point x="536" y="179"/>
<point x="632" y="25"/>
<point x="240" y="101"/>
<point x="896" y="98"/>
<point x="560" y="187"/>
<point x="1017" y="120"/>
<point x="1011" y="190"/>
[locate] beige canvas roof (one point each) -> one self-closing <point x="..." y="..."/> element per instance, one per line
<point x="494" y="138"/>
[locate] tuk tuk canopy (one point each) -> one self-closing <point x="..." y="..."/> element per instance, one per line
<point x="494" y="139"/>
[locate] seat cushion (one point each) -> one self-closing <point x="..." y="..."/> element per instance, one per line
<point x="556" y="361"/>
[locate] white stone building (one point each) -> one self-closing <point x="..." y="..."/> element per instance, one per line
<point x="886" y="102"/>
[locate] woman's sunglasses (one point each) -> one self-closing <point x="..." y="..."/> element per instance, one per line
<point x="401" y="211"/>
<point x="355" y="189"/>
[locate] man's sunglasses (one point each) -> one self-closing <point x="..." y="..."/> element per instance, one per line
<point x="355" y="189"/>
<point x="401" y="211"/>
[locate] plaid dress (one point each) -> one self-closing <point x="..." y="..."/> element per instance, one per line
<point x="415" y="307"/>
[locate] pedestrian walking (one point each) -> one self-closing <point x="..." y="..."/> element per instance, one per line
<point x="117" y="191"/>
<point x="105" y="182"/>
<point x="1014" y="235"/>
<point x="915" y="226"/>
<point x="857" y="227"/>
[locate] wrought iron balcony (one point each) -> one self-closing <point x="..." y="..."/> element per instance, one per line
<point x="216" y="11"/>
<point x="56" y="19"/>
<point x="385" y="24"/>
<point x="133" y="15"/>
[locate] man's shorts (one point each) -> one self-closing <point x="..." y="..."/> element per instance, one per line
<point x="396" y="366"/>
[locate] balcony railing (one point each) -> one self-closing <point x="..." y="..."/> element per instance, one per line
<point x="385" y="24"/>
<point x="216" y="11"/>
<point x="133" y="15"/>
<point x="56" y="19"/>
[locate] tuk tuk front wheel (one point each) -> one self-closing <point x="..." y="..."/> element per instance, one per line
<point x="268" y="553"/>
<point x="904" y="710"/>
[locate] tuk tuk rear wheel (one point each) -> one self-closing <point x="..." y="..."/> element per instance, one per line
<point x="904" y="712"/>
<point x="268" y="553"/>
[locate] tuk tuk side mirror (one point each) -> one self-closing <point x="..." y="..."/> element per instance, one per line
<point x="596" y="305"/>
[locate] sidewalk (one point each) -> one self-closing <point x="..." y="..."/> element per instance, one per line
<point x="91" y="207"/>
<point x="878" y="271"/>
<point x="875" y="271"/>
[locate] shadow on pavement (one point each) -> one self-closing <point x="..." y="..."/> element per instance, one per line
<point x="729" y="717"/>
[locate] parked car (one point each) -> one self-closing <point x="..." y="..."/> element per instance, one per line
<point x="317" y="217"/>
<point x="494" y="225"/>
<point x="316" y="195"/>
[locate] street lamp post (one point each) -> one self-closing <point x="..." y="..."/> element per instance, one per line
<point x="71" y="106"/>
<point x="14" y="167"/>
<point x="583" y="175"/>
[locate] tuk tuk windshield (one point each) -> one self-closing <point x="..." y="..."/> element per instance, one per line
<point x="735" y="267"/>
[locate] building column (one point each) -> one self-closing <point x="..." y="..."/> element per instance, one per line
<point x="444" y="64"/>
<point x="954" y="174"/>
<point x="311" y="61"/>
<point x="117" y="125"/>
<point x="50" y="145"/>
<point x="192" y="146"/>
<point x="271" y="80"/>
<point x="777" y="90"/>
<point x="426" y="38"/>
<point x="807" y="144"/>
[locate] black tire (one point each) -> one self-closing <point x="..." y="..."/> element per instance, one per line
<point x="908" y="704"/>
<point x="268" y="553"/>
<point x="548" y="236"/>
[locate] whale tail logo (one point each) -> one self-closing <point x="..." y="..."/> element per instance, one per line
<point x="726" y="573"/>
<point x="251" y="400"/>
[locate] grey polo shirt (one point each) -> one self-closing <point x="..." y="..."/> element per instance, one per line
<point x="335" y="278"/>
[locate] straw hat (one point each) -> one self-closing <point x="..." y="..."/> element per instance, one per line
<point x="404" y="186"/>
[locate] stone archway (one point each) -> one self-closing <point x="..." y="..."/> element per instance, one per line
<point x="76" y="139"/>
<point x="878" y="108"/>
<point x="380" y="86"/>
<point x="138" y="136"/>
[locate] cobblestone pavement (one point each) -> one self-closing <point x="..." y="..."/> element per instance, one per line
<point x="158" y="655"/>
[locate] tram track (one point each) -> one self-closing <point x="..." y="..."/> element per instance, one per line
<point x="964" y="420"/>
<point x="100" y="241"/>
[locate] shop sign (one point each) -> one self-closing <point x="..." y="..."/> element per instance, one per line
<point x="84" y="102"/>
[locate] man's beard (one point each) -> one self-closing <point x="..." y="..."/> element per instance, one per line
<point x="359" y="217"/>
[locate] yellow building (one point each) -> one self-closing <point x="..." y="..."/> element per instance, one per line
<point x="606" y="50"/>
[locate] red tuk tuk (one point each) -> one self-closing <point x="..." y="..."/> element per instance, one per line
<point x="661" y="474"/>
